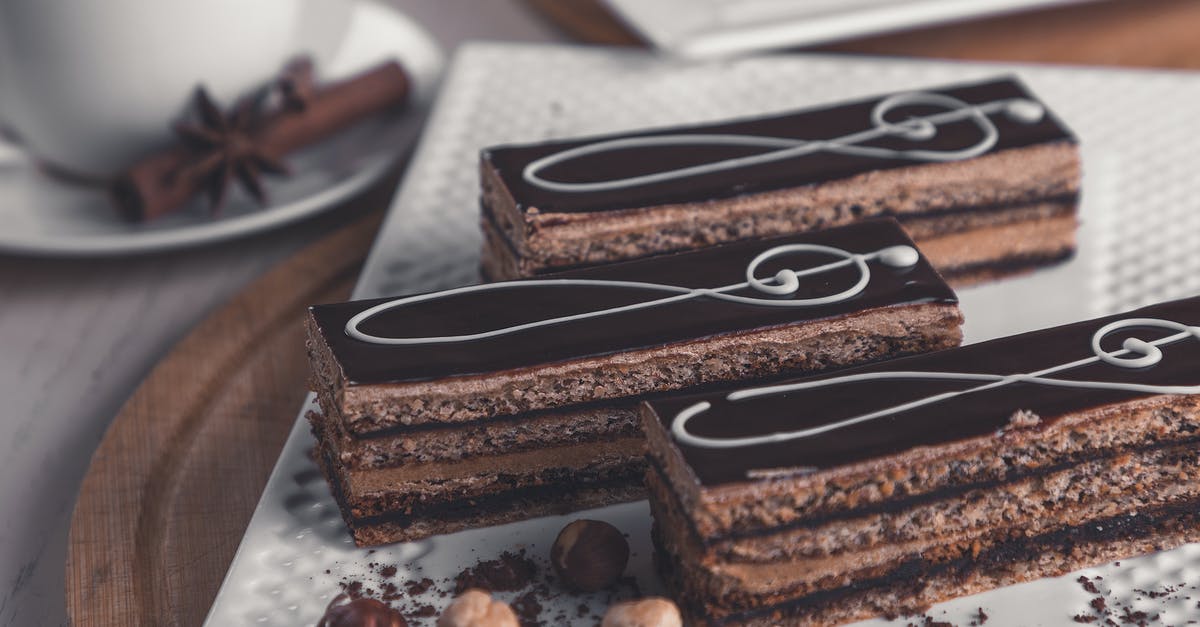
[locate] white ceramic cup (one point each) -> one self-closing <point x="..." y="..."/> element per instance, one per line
<point x="91" y="86"/>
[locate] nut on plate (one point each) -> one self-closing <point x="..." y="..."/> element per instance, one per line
<point x="476" y="608"/>
<point x="344" y="611"/>
<point x="589" y="555"/>
<point x="648" y="612"/>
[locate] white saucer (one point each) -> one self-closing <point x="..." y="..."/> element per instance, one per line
<point x="42" y="215"/>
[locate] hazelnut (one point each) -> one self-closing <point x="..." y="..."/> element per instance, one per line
<point x="476" y="608"/>
<point x="648" y="612"/>
<point x="589" y="555"/>
<point x="362" y="612"/>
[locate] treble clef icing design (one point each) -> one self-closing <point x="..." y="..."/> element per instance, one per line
<point x="1135" y="353"/>
<point x="783" y="283"/>
<point x="915" y="129"/>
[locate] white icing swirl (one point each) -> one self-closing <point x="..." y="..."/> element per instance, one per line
<point x="784" y="283"/>
<point x="1135" y="353"/>
<point x="916" y="129"/>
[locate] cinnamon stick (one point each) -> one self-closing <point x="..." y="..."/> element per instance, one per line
<point x="159" y="183"/>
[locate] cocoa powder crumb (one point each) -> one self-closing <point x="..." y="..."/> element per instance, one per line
<point x="528" y="609"/>
<point x="511" y="571"/>
<point x="353" y="588"/>
<point x="417" y="588"/>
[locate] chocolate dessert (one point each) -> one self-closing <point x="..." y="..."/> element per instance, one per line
<point x="983" y="177"/>
<point x="884" y="488"/>
<point x="493" y="403"/>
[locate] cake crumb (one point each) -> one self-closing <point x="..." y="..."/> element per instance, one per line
<point x="417" y="588"/>
<point x="1024" y="419"/>
<point x="511" y="571"/>
<point x="528" y="609"/>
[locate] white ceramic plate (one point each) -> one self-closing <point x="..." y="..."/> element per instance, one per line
<point x="710" y="28"/>
<point x="45" y="216"/>
<point x="1141" y="228"/>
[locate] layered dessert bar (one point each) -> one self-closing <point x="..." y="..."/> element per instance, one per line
<point x="496" y="402"/>
<point x="407" y="484"/>
<point x="885" y="488"/>
<point x="983" y="176"/>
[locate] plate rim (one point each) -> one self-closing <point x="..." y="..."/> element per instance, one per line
<point x="268" y="218"/>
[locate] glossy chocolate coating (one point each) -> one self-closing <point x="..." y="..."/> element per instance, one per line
<point x="808" y="124"/>
<point x="368" y="363"/>
<point x="958" y="418"/>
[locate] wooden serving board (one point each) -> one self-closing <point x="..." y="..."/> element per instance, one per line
<point x="1135" y="33"/>
<point x="173" y="485"/>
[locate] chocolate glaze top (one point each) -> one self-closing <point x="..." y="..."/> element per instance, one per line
<point x="368" y="363"/>
<point x="968" y="416"/>
<point x="807" y="124"/>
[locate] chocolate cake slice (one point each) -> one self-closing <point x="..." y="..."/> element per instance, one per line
<point x="827" y="498"/>
<point x="982" y="175"/>
<point x="493" y="403"/>
<point x="847" y="295"/>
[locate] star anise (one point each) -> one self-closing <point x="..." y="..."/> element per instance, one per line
<point x="226" y="148"/>
<point x="296" y="84"/>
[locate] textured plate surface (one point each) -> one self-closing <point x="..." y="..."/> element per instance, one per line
<point x="45" y="216"/>
<point x="1141" y="215"/>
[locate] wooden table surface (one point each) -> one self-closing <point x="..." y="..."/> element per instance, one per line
<point x="1136" y="33"/>
<point x="78" y="336"/>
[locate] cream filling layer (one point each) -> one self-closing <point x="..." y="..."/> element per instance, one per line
<point x="1038" y="238"/>
<point x="572" y="457"/>
<point x="1032" y="507"/>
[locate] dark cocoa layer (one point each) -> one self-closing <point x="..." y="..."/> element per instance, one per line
<point x="915" y="584"/>
<point x="960" y="242"/>
<point x="768" y="569"/>
<point x="420" y="488"/>
<point x="975" y="274"/>
<point x="485" y="437"/>
<point x="371" y="493"/>
<point x="514" y="509"/>
<point x="496" y="509"/>
<point x="949" y="512"/>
